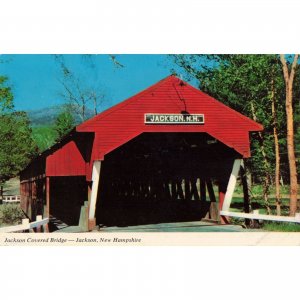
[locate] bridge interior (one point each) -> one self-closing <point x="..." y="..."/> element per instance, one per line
<point x="162" y="177"/>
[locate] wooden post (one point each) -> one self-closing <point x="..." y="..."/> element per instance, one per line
<point x="39" y="218"/>
<point x="231" y="184"/>
<point x="245" y="192"/>
<point x="187" y="192"/>
<point x="202" y="189"/>
<point x="194" y="189"/>
<point x="25" y="222"/>
<point x="210" y="190"/>
<point x="222" y="190"/>
<point x="48" y="196"/>
<point x="213" y="210"/>
<point x="94" y="193"/>
<point x="225" y="200"/>
<point x="87" y="208"/>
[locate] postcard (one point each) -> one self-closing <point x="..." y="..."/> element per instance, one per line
<point x="149" y="149"/>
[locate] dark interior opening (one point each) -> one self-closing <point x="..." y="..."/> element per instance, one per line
<point x="68" y="194"/>
<point x="156" y="178"/>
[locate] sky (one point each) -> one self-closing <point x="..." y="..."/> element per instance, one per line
<point x="36" y="79"/>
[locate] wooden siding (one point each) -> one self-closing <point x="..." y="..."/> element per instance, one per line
<point x="95" y="138"/>
<point x="119" y="124"/>
<point x="66" y="161"/>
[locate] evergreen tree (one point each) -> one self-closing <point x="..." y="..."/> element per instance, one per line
<point x="64" y="123"/>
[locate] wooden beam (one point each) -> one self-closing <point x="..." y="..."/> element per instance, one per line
<point x="222" y="190"/>
<point x="202" y="189"/>
<point x="256" y="216"/>
<point x="210" y="190"/>
<point x="38" y="219"/>
<point x="213" y="212"/>
<point x="48" y="196"/>
<point x="25" y="225"/>
<point x="231" y="185"/>
<point x="187" y="192"/>
<point x="245" y="189"/>
<point x="94" y="193"/>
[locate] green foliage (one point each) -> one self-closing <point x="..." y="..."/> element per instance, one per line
<point x="11" y="214"/>
<point x="17" y="147"/>
<point x="44" y="137"/>
<point x="245" y="83"/>
<point x="6" y="96"/>
<point x="64" y="123"/>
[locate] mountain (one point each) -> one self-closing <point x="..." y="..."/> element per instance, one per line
<point x="47" y="116"/>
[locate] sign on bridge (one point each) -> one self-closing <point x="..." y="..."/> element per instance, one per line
<point x="174" y="119"/>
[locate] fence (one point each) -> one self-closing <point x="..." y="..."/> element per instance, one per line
<point x="257" y="216"/>
<point x="11" y="199"/>
<point x="26" y="225"/>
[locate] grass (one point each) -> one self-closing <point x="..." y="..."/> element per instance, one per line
<point x="237" y="205"/>
<point x="281" y="227"/>
<point x="257" y="190"/>
<point x="258" y="203"/>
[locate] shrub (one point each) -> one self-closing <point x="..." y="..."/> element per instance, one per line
<point x="11" y="214"/>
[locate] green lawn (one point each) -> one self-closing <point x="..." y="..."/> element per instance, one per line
<point x="237" y="205"/>
<point x="280" y="226"/>
<point x="258" y="203"/>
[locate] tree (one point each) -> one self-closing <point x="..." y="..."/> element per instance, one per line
<point x="82" y="94"/>
<point x="6" y="96"/>
<point x="251" y="84"/>
<point x="276" y="146"/>
<point x="289" y="76"/>
<point x="17" y="147"/>
<point x="64" y="123"/>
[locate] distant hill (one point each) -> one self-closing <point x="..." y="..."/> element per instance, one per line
<point x="46" y="116"/>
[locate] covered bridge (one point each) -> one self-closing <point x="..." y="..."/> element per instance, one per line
<point x="149" y="159"/>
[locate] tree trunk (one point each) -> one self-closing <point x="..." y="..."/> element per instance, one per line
<point x="95" y="103"/>
<point x="289" y="78"/>
<point x="247" y="205"/>
<point x="277" y="153"/>
<point x="83" y="112"/>
<point x="291" y="155"/>
<point x="266" y="185"/>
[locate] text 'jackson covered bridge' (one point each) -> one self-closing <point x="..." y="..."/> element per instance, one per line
<point x="151" y="158"/>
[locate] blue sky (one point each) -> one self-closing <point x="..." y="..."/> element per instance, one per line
<point x="35" y="79"/>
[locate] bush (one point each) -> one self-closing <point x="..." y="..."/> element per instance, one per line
<point x="11" y="214"/>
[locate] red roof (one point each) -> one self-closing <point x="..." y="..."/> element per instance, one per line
<point x="125" y="120"/>
<point x="95" y="138"/>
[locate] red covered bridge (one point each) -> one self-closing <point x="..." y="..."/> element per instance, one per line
<point x="149" y="159"/>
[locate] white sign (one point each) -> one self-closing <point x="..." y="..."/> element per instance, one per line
<point x="174" y="119"/>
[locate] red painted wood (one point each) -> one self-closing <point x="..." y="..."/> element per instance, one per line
<point x="222" y="191"/>
<point x="66" y="161"/>
<point x="125" y="121"/>
<point x="121" y="123"/>
<point x="48" y="196"/>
